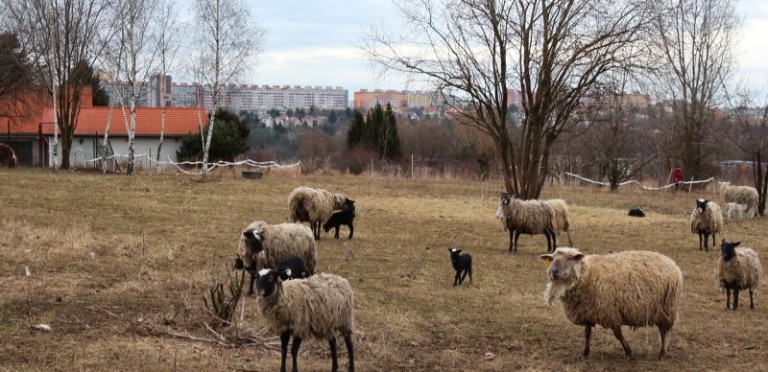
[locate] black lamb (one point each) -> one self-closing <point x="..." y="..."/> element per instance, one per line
<point x="345" y="217"/>
<point x="636" y="212"/>
<point x="462" y="263"/>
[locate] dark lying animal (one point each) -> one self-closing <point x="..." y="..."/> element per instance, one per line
<point x="462" y="263"/>
<point x="290" y="268"/>
<point x="346" y="217"/>
<point x="636" y="212"/>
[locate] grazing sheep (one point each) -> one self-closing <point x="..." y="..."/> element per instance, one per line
<point x="735" y="211"/>
<point x="706" y="219"/>
<point x="290" y="268"/>
<point x="636" y="212"/>
<point x="315" y="206"/>
<point x="738" y="269"/>
<point x="462" y="263"/>
<point x="528" y="217"/>
<point x="562" y="217"/>
<point x="268" y="246"/>
<point x="742" y="195"/>
<point x="320" y="306"/>
<point x="346" y="217"/>
<point x="633" y="288"/>
<point x="7" y="156"/>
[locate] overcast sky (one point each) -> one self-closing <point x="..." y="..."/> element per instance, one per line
<point x="317" y="42"/>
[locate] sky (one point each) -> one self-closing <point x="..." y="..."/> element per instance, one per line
<point x="316" y="43"/>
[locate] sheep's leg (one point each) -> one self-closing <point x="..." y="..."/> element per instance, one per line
<point x="554" y="239"/>
<point x="587" y="337"/>
<point x="284" y="338"/>
<point x="336" y="232"/>
<point x="714" y="243"/>
<point x="334" y="360"/>
<point x="727" y="296"/>
<point x="735" y="298"/>
<point x="456" y="278"/>
<point x="470" y="279"/>
<point x="350" y="351"/>
<point x="351" y="230"/>
<point x="751" y="304"/>
<point x="464" y="276"/>
<point x="253" y="279"/>
<point x="624" y="344"/>
<point x="706" y="242"/>
<point x="295" y="353"/>
<point x="700" y="242"/>
<point x="511" y="239"/>
<point x="663" y="330"/>
<point x="316" y="230"/>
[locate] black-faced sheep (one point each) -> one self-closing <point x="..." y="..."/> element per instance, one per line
<point x="528" y="217"/>
<point x="462" y="263"/>
<point x="315" y="206"/>
<point x="741" y="195"/>
<point x="346" y="217"/>
<point x="268" y="246"/>
<point x="738" y="269"/>
<point x="291" y="268"/>
<point x="320" y="306"/>
<point x="706" y="219"/>
<point x="633" y="288"/>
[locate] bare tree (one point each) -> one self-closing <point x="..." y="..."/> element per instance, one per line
<point x="137" y="40"/>
<point x="475" y="51"/>
<point x="226" y="38"/>
<point x="61" y="35"/>
<point x="169" y="41"/>
<point x="695" y="41"/>
<point x="747" y="128"/>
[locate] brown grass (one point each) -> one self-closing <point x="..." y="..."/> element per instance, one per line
<point x="120" y="264"/>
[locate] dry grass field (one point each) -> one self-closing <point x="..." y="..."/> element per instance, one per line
<point x="119" y="267"/>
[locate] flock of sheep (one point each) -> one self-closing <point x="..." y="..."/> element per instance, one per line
<point x="632" y="288"/>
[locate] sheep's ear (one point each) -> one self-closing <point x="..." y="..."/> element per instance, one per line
<point x="578" y="257"/>
<point x="547" y="258"/>
<point x="736" y="244"/>
<point x="287" y="272"/>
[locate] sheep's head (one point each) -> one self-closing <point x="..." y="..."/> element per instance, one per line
<point x="562" y="264"/>
<point x="254" y="239"/>
<point x="505" y="198"/>
<point x="728" y="250"/>
<point x="455" y="253"/>
<point x="701" y="205"/>
<point x="268" y="281"/>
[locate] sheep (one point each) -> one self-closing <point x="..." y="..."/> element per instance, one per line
<point x="562" y="217"/>
<point x="528" y="217"/>
<point x="636" y="212"/>
<point x="633" y="288"/>
<point x="315" y="206"/>
<point x="738" y="269"/>
<point x="8" y="156"/>
<point x="320" y="306"/>
<point x="346" y="217"/>
<point x="290" y="268"/>
<point x="268" y="246"/>
<point x="735" y="211"/>
<point x="742" y="195"/>
<point x="462" y="263"/>
<point x="706" y="219"/>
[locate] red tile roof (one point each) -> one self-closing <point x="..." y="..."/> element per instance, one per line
<point x="92" y="120"/>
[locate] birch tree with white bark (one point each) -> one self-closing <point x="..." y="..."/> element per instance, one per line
<point x="226" y="38"/>
<point x="61" y="35"/>
<point x="169" y="42"/>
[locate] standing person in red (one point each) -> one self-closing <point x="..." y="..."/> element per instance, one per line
<point x="677" y="177"/>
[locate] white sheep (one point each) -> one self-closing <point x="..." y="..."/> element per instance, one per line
<point x="706" y="219"/>
<point x="266" y="246"/>
<point x="528" y="217"/>
<point x="316" y="206"/>
<point x="742" y="195"/>
<point x="562" y="217"/>
<point x="320" y="306"/>
<point x="633" y="288"/>
<point x="738" y="269"/>
<point x="735" y="211"/>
